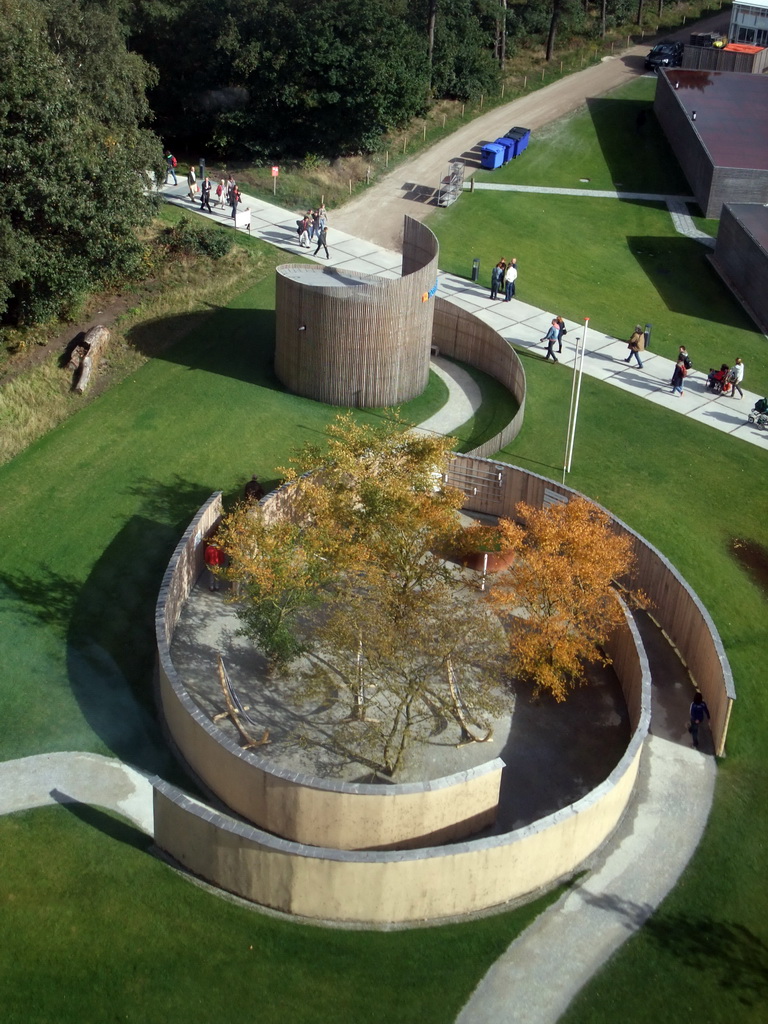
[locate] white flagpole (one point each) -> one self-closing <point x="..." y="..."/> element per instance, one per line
<point x="578" y="373"/>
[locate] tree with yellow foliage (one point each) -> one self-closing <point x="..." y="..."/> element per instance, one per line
<point x="558" y="599"/>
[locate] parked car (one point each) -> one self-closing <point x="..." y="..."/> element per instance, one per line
<point x="665" y="55"/>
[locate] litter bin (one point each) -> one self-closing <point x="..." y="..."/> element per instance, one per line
<point x="492" y="156"/>
<point x="521" y="137"/>
<point x="508" y="145"/>
<point x="475" y="269"/>
<point x="647" y="333"/>
<point x="202" y="167"/>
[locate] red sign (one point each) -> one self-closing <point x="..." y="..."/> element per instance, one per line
<point x="275" y="171"/>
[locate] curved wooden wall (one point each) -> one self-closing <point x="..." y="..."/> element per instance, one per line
<point x="355" y="340"/>
<point x="495" y="488"/>
<point x="459" y="334"/>
<point x="296" y="806"/>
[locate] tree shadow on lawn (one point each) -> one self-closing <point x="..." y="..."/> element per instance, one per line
<point x="728" y="952"/>
<point x="109" y="623"/>
<point x="235" y="343"/>
<point x="681" y="274"/>
<point x="754" y="558"/>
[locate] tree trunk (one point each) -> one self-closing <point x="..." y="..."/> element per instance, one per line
<point x="602" y="17"/>
<point x="640" y="6"/>
<point x="555" y="18"/>
<point x="359" y="710"/>
<point x="503" y="38"/>
<point x="467" y="736"/>
<point x="94" y="344"/>
<point x="431" y="18"/>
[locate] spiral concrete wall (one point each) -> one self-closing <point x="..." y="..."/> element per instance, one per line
<point x="355" y="340"/>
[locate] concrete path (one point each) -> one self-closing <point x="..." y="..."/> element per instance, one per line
<point x="464" y="398"/>
<point x="534" y="981"/>
<point x="65" y="778"/>
<point x="584" y="193"/>
<point x="520" y="323"/>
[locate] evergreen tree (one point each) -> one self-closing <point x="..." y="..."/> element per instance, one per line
<point x="74" y="154"/>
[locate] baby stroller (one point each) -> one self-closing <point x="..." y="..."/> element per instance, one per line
<point x="759" y="415"/>
<point x="717" y="380"/>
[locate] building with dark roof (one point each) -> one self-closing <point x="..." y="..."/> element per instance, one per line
<point x="741" y="257"/>
<point x="717" y="125"/>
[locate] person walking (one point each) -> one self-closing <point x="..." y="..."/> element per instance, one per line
<point x="234" y="199"/>
<point x="634" y="346"/>
<point x="562" y="330"/>
<point x="678" y="377"/>
<point x="231" y="186"/>
<point x="221" y="193"/>
<point x="510" y="277"/>
<point x="551" y="339"/>
<point x="191" y="181"/>
<point x="322" y="242"/>
<point x="683" y="354"/>
<point x="736" y="376"/>
<point x="698" y="710"/>
<point x="497" y="277"/>
<point x="205" y="195"/>
<point x="303" y="229"/>
<point x="170" y="166"/>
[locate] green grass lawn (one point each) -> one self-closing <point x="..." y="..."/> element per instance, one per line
<point x="618" y="262"/>
<point x="89" y="517"/>
<point x="102" y="931"/>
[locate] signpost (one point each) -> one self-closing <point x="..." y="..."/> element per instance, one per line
<point x="275" y="172"/>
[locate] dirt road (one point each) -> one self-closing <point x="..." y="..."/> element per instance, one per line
<point x="377" y="214"/>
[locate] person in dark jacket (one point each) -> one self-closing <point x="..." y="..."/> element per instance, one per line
<point x="322" y="242"/>
<point x="205" y="195"/>
<point x="497" y="277"/>
<point x="698" y="710"/>
<point x="678" y="377"/>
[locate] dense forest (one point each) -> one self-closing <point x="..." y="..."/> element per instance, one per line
<point x="277" y="78"/>
<point x="89" y="88"/>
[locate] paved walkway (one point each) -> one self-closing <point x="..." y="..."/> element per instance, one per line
<point x="65" y="778"/>
<point x="520" y="323"/>
<point x="534" y="981"/>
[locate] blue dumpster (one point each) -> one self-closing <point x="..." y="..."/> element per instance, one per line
<point x="492" y="156"/>
<point x="521" y="138"/>
<point x="509" y="147"/>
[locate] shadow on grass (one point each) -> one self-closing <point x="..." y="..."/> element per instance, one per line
<point x="236" y="343"/>
<point x="634" y="146"/>
<point x="724" y="950"/>
<point x="108" y="622"/>
<point x="113" y="827"/>
<point x="684" y="279"/>
<point x="754" y="558"/>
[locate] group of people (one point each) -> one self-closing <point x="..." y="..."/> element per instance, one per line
<point x="314" y="224"/>
<point x="227" y="192"/>
<point x="503" y="279"/>
<point x="725" y="381"/>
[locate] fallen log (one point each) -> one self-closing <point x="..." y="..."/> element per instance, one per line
<point x="92" y="347"/>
